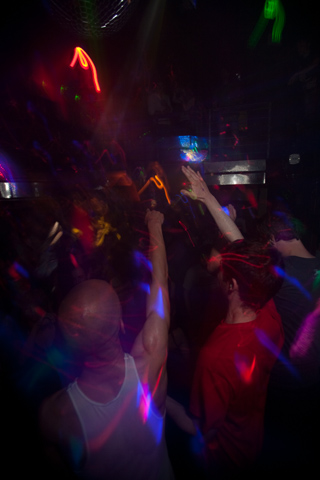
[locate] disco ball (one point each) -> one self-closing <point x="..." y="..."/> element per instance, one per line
<point x="92" y="18"/>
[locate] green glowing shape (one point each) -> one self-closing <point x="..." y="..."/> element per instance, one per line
<point x="299" y="226"/>
<point x="77" y="98"/>
<point x="316" y="282"/>
<point x="201" y="209"/>
<point x="258" y="31"/>
<point x="273" y="10"/>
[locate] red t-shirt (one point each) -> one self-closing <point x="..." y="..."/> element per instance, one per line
<point x="230" y="386"/>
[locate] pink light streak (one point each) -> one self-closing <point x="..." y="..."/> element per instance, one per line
<point x="306" y="334"/>
<point x="74" y="261"/>
<point x="186" y="230"/>
<point x="85" y="61"/>
<point x="245" y="370"/>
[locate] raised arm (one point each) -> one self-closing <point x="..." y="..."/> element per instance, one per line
<point x="158" y="302"/>
<point x="199" y="191"/>
<point x="150" y="347"/>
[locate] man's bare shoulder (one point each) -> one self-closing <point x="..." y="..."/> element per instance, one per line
<point x="60" y="428"/>
<point x="58" y="418"/>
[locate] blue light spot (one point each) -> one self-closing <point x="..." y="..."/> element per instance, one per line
<point x="265" y="341"/>
<point x="293" y="281"/>
<point x="145" y="287"/>
<point x="139" y="393"/>
<point x="21" y="270"/>
<point x="226" y="210"/>
<point x="141" y="259"/>
<point x="159" y="308"/>
<point x="156" y="425"/>
<point x="197" y="443"/>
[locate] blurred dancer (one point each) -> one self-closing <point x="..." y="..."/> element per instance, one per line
<point x="109" y="422"/>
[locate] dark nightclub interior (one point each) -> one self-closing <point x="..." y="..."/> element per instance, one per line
<point x="104" y="105"/>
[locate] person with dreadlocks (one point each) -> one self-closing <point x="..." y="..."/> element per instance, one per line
<point x="292" y="417"/>
<point x="233" y="369"/>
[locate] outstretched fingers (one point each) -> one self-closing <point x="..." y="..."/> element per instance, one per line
<point x="198" y="189"/>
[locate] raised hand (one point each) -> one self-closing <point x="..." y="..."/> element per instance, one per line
<point x="198" y="187"/>
<point x="153" y="217"/>
<point x="199" y="191"/>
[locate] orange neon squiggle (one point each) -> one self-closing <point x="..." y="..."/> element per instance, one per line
<point x="144" y="187"/>
<point x="85" y="61"/>
<point x="159" y="184"/>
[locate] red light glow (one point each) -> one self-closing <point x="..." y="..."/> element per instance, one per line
<point x="244" y="368"/>
<point x="85" y="62"/>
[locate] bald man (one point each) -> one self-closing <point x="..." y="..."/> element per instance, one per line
<point x="109" y="422"/>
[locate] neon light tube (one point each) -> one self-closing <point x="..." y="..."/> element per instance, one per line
<point x="85" y="61"/>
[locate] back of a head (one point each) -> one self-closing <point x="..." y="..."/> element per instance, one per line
<point x="252" y="265"/>
<point x="279" y="224"/>
<point x="90" y="316"/>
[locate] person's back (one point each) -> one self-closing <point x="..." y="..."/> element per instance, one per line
<point x="295" y="300"/>
<point x="124" y="435"/>
<point x="294" y="388"/>
<point x="292" y="415"/>
<point x="230" y="386"/>
<point x="109" y="422"/>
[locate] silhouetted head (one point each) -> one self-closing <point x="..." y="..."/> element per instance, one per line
<point x="252" y="265"/>
<point x="90" y="318"/>
<point x="278" y="225"/>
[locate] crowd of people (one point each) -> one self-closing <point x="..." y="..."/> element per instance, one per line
<point x="142" y="338"/>
<point x="149" y="333"/>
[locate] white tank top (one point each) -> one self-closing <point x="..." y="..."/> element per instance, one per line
<point x="124" y="438"/>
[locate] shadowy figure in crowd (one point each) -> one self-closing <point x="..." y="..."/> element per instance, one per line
<point x="27" y="325"/>
<point x="294" y="390"/>
<point x="294" y="386"/>
<point x="233" y="369"/>
<point x="110" y="421"/>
